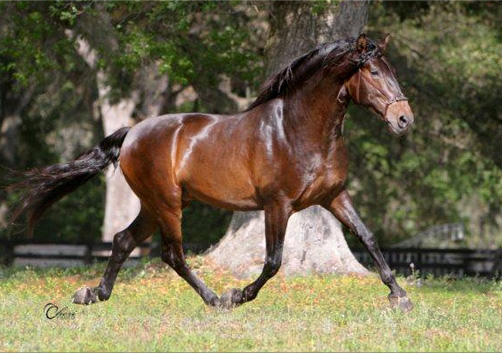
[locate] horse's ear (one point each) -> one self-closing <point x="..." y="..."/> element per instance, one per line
<point x="362" y="42"/>
<point x="384" y="42"/>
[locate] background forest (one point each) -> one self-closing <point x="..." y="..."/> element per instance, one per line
<point x="179" y="56"/>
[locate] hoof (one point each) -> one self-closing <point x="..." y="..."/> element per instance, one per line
<point x="403" y="303"/>
<point x="231" y="298"/>
<point x="84" y="296"/>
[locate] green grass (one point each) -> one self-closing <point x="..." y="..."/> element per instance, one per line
<point x="152" y="309"/>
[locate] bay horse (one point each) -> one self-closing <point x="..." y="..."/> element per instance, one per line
<point x="281" y="155"/>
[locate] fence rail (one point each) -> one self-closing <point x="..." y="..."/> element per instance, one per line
<point x="46" y="253"/>
<point x="439" y="262"/>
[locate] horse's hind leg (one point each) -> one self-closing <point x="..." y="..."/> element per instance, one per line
<point x="173" y="255"/>
<point x="124" y="243"/>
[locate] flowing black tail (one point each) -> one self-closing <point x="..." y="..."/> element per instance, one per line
<point x="45" y="186"/>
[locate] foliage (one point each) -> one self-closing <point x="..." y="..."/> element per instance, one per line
<point x="152" y="309"/>
<point x="187" y="38"/>
<point x="203" y="224"/>
<point x="30" y="44"/>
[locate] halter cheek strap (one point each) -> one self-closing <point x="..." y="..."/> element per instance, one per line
<point x="390" y="100"/>
<point x="398" y="98"/>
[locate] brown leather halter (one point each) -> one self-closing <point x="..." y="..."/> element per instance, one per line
<point x="390" y="100"/>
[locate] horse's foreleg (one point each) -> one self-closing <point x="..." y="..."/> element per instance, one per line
<point x="173" y="255"/>
<point x="343" y="210"/>
<point x="276" y="221"/>
<point x="124" y="243"/>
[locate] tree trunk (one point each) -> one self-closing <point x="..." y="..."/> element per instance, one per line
<point x="295" y="29"/>
<point x="314" y="239"/>
<point x="122" y="205"/>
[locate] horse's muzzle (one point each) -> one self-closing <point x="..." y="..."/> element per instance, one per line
<point x="399" y="117"/>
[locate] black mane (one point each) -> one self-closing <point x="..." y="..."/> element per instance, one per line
<point x="306" y="65"/>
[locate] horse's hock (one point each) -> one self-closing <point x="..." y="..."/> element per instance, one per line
<point x="314" y="244"/>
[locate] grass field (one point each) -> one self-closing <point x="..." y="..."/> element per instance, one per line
<point x="152" y="309"/>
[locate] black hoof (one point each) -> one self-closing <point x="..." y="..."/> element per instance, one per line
<point x="231" y="298"/>
<point x="84" y="296"/>
<point x="403" y="303"/>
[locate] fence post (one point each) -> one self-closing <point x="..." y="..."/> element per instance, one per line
<point x="88" y="254"/>
<point x="420" y="262"/>
<point x="496" y="271"/>
<point x="9" y="253"/>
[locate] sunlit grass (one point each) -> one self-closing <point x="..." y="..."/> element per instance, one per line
<point x="152" y="309"/>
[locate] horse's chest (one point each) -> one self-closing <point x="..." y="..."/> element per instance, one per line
<point x="321" y="180"/>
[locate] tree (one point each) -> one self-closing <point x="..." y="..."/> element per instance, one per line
<point x="314" y="239"/>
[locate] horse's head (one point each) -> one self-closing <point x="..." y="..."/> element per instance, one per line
<point x="375" y="86"/>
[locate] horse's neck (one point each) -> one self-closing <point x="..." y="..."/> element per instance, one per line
<point x="318" y="111"/>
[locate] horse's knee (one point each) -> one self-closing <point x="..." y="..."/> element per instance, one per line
<point x="123" y="242"/>
<point x="273" y="265"/>
<point x="166" y="257"/>
<point x="176" y="263"/>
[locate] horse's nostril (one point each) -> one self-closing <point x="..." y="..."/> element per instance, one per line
<point x="403" y="121"/>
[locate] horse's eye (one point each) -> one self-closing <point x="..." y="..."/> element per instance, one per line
<point x="374" y="73"/>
